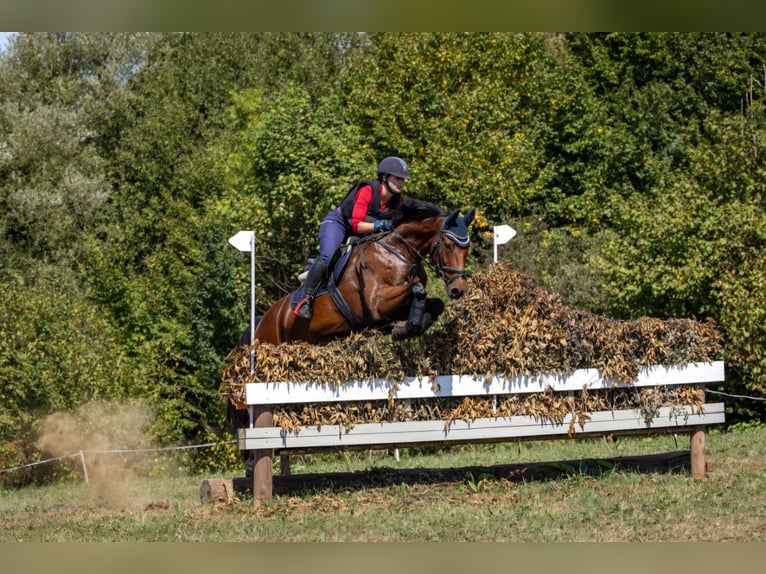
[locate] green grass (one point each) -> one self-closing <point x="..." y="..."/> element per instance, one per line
<point x="613" y="505"/>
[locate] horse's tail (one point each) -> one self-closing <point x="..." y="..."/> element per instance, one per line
<point x="245" y="337"/>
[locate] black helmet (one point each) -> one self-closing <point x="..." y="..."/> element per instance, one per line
<point x="393" y="166"/>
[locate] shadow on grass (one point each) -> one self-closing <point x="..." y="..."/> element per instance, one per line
<point x="669" y="462"/>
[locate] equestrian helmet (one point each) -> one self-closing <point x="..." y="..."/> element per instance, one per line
<point x="393" y="166"/>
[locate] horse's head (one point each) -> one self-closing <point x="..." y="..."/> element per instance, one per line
<point x="450" y="250"/>
<point x="425" y="228"/>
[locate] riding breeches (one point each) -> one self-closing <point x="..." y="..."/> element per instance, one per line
<point x="332" y="232"/>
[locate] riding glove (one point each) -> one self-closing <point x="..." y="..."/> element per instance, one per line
<point x="383" y="225"/>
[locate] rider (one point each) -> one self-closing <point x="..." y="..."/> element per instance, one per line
<point x="369" y="206"/>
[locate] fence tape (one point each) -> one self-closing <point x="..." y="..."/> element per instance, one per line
<point x="117" y="451"/>
<point x="735" y="396"/>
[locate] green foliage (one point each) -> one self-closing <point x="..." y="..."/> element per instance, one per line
<point x="452" y="105"/>
<point x="223" y="455"/>
<point x="56" y="353"/>
<point x="694" y="246"/>
<point x="293" y="161"/>
<point x="53" y="180"/>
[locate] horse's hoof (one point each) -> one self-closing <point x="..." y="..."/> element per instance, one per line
<point x="406" y="331"/>
<point x="435" y="307"/>
<point x="400" y="332"/>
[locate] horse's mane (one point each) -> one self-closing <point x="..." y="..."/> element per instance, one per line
<point x="417" y="210"/>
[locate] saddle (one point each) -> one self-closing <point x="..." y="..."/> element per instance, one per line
<point x="337" y="266"/>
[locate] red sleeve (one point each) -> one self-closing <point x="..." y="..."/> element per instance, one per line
<point x="361" y="205"/>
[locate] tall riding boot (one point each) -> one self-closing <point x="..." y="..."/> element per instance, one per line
<point x="305" y="307"/>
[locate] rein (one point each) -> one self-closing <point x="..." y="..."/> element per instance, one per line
<point x="398" y="253"/>
<point x="440" y="269"/>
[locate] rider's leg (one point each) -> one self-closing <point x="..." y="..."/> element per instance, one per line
<point x="317" y="271"/>
<point x="332" y="232"/>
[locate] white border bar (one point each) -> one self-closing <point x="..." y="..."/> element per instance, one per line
<point x="466" y="385"/>
<point x="680" y="418"/>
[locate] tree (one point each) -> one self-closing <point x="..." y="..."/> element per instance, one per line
<point x="62" y="96"/>
<point x="694" y="246"/>
<point x="184" y="173"/>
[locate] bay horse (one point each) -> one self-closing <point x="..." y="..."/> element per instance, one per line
<point x="383" y="281"/>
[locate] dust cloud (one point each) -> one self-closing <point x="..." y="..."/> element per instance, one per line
<point x="94" y="428"/>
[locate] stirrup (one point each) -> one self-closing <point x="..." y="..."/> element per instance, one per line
<point x="304" y="308"/>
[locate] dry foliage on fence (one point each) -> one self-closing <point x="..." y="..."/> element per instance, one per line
<point x="504" y="325"/>
<point x="543" y="406"/>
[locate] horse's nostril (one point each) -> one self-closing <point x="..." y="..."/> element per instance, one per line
<point x="456" y="293"/>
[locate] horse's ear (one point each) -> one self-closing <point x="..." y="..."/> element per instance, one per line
<point x="469" y="218"/>
<point x="450" y="219"/>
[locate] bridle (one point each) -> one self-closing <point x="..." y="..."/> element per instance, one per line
<point x="439" y="268"/>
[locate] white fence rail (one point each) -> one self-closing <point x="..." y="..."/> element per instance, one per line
<point x="518" y="427"/>
<point x="283" y="393"/>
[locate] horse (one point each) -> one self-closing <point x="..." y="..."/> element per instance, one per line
<point x="380" y="283"/>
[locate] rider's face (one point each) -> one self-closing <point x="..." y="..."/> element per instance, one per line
<point x="395" y="184"/>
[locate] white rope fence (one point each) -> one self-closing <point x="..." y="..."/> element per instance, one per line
<point x="735" y="396"/>
<point x="81" y="455"/>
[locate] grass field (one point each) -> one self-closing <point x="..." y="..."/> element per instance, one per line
<point x="611" y="505"/>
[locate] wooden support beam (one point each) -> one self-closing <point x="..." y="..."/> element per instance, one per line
<point x="262" y="472"/>
<point x="697" y="444"/>
<point x="697" y="448"/>
<point x="284" y="465"/>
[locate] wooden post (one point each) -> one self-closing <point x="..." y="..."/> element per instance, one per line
<point x="262" y="471"/>
<point x="697" y="444"/>
<point x="697" y="447"/>
<point x="284" y="465"/>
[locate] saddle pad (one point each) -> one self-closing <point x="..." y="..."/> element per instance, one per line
<point x="337" y="272"/>
<point x="299" y="293"/>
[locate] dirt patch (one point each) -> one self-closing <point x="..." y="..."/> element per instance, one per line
<point x="92" y="432"/>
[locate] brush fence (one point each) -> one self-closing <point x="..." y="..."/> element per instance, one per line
<point x="266" y="439"/>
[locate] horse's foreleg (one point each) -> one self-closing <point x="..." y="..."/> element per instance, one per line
<point x="414" y="323"/>
<point x="434" y="308"/>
